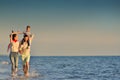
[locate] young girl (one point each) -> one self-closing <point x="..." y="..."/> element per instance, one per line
<point x="25" y="53"/>
<point x="14" y="48"/>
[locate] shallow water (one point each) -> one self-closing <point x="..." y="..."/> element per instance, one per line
<point x="66" y="68"/>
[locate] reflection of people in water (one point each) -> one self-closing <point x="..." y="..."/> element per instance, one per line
<point x="5" y="62"/>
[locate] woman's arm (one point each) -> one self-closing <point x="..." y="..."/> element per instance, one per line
<point x="20" y="50"/>
<point x="18" y="32"/>
<point x="8" y="47"/>
<point x="11" y="36"/>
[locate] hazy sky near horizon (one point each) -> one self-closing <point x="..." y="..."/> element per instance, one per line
<point x="64" y="27"/>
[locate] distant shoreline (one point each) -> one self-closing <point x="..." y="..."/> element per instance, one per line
<point x="72" y="56"/>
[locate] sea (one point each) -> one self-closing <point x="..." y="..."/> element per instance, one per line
<point x="65" y="68"/>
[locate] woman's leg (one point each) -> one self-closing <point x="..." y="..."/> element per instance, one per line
<point x="27" y="69"/>
<point x="12" y="62"/>
<point x="16" y="62"/>
<point x="24" y="69"/>
<point x="23" y="62"/>
<point x="27" y="65"/>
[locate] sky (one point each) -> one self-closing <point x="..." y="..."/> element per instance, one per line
<point x="63" y="27"/>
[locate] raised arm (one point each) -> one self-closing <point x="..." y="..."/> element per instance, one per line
<point x="31" y="37"/>
<point x="11" y="37"/>
<point x="18" y="32"/>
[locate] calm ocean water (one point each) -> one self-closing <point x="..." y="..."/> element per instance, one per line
<point x="66" y="68"/>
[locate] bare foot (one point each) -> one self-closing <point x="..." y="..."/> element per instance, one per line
<point x="27" y="74"/>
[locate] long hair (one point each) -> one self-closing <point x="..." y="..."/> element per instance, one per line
<point x="23" y="40"/>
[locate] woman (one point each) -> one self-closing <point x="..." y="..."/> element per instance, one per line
<point x="14" y="48"/>
<point x="25" y="53"/>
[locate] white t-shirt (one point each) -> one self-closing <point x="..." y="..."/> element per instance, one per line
<point x="25" y="49"/>
<point x="14" y="46"/>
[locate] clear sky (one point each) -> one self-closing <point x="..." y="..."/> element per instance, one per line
<point x="64" y="27"/>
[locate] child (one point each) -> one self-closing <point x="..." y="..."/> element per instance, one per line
<point x="27" y="32"/>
